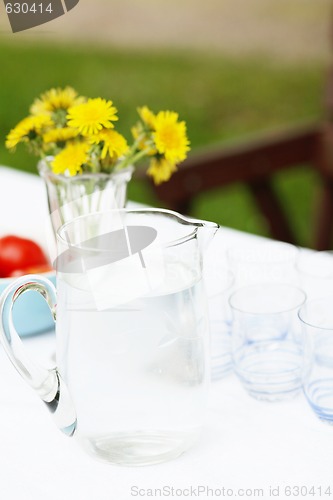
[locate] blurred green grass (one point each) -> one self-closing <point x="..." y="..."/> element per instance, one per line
<point x="222" y="99"/>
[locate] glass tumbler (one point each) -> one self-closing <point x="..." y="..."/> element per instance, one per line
<point x="317" y="321"/>
<point x="315" y="271"/>
<point x="218" y="283"/>
<point x="267" y="347"/>
<point x="263" y="262"/>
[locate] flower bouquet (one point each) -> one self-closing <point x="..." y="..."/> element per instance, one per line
<point x="77" y="135"/>
<point x="85" y="162"/>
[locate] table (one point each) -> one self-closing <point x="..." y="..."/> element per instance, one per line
<point x="249" y="448"/>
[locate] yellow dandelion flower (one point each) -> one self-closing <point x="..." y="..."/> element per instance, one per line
<point x="28" y="129"/>
<point x="161" y="170"/>
<point x="55" y="99"/>
<point x="136" y="131"/>
<point x="147" y="116"/>
<point x="170" y="136"/>
<point x="60" y="135"/>
<point x="89" y="118"/>
<point x="71" y="159"/>
<point x="114" y="143"/>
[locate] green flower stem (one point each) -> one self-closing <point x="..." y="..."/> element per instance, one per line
<point x="132" y="159"/>
<point x="134" y="154"/>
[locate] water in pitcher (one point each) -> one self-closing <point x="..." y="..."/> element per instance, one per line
<point x="136" y="371"/>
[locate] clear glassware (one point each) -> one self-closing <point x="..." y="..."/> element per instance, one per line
<point x="70" y="197"/>
<point x="219" y="282"/>
<point x="316" y="317"/>
<point x="267" y="344"/>
<point x="316" y="273"/>
<point x="263" y="261"/>
<point x="132" y="334"/>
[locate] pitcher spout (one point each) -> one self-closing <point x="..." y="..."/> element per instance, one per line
<point x="206" y="232"/>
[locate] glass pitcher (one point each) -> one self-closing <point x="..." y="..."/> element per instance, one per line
<point x="132" y="334"/>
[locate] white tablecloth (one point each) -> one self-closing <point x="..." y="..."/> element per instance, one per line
<point x="247" y="445"/>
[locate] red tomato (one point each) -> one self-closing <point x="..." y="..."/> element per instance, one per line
<point x="19" y="253"/>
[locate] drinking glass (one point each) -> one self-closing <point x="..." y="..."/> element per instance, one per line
<point x="316" y="273"/>
<point x="267" y="347"/>
<point x="317" y="321"/>
<point x="263" y="262"/>
<point x="219" y="282"/>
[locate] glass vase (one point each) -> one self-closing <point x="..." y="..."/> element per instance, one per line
<point x="71" y="197"/>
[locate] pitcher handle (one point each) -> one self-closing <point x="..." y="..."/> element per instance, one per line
<point x="46" y="382"/>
